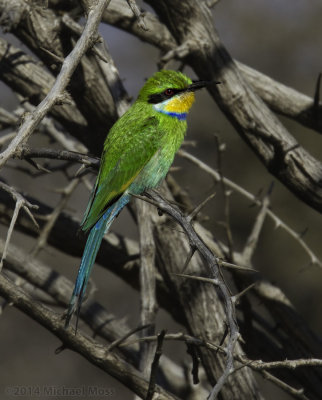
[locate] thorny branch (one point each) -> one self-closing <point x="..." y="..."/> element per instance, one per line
<point x="277" y="221"/>
<point x="74" y="156"/>
<point x="103" y="323"/>
<point x="164" y="39"/>
<point x="21" y="203"/>
<point x="256" y="365"/>
<point x="93" y="162"/>
<point x="217" y="280"/>
<point x="69" y="65"/>
<point x="87" y="160"/>
<point x="91" y="350"/>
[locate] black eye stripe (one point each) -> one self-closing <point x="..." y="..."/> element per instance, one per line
<point x="160" y="97"/>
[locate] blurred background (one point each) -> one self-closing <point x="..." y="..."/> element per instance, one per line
<point x="280" y="39"/>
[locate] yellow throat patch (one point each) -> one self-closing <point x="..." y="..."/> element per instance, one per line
<point x="180" y="104"/>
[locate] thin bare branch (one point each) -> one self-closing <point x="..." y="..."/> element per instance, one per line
<point x="237" y="296"/>
<point x="5" y="138"/>
<point x="297" y="393"/>
<point x="220" y="148"/>
<point x="94" y="352"/>
<point x="89" y="161"/>
<point x="200" y="206"/>
<point x="136" y="11"/>
<point x="21" y="203"/>
<point x="278" y="222"/>
<point x="256" y="365"/>
<point x="57" y="59"/>
<point x="52" y="218"/>
<point x="253" y="237"/>
<point x="119" y="341"/>
<point x="189" y="257"/>
<point x="7" y="119"/>
<point x="47" y="126"/>
<point x="70" y="63"/>
<point x="155" y="365"/>
<point x="104" y="324"/>
<point x="78" y="30"/>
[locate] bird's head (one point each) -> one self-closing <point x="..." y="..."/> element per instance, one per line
<point x="170" y="92"/>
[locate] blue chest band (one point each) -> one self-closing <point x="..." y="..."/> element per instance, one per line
<point x="180" y="116"/>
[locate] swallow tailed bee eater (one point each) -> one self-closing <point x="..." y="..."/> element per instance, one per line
<point x="138" y="152"/>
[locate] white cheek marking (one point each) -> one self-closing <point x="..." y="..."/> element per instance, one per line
<point x="160" y="106"/>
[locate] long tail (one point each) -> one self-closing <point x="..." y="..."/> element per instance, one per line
<point x="90" y="252"/>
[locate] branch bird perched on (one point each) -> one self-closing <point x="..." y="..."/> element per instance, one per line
<point x="137" y="155"/>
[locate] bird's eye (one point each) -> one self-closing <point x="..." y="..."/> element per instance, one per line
<point x="169" y="92"/>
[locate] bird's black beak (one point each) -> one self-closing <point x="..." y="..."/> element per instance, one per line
<point x="196" y="85"/>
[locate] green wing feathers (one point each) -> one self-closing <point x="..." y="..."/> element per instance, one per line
<point x="128" y="148"/>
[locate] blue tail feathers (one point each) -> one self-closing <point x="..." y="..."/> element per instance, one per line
<point x="90" y="252"/>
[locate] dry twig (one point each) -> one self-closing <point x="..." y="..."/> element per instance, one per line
<point x="51" y="219"/>
<point x="155" y="365"/>
<point x="70" y="63"/>
<point x="212" y="263"/>
<point x="95" y="353"/>
<point x="21" y="202"/>
<point x="253" y="238"/>
<point x="136" y="11"/>
<point x="277" y="221"/>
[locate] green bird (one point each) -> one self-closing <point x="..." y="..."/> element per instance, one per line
<point x="137" y="154"/>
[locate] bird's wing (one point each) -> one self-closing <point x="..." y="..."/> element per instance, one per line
<point x="129" y="152"/>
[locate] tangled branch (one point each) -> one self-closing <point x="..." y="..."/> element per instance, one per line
<point x="56" y="93"/>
